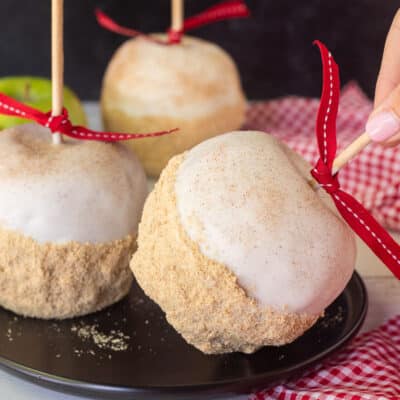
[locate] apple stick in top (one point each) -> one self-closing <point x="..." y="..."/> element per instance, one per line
<point x="177" y="15"/>
<point x="345" y="156"/>
<point x="57" y="61"/>
<point x="351" y="151"/>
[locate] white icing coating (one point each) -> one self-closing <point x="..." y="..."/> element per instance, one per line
<point x="189" y="80"/>
<point x="244" y="198"/>
<point x="77" y="191"/>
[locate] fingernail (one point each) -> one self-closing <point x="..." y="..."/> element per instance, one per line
<point x="382" y="126"/>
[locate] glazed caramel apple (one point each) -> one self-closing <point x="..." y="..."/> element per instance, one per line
<point x="68" y="223"/>
<point x="237" y="248"/>
<point x="193" y="85"/>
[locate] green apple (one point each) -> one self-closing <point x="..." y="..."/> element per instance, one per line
<point x="36" y="92"/>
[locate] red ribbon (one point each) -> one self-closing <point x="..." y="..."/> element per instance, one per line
<point x="357" y="217"/>
<point x="222" y="11"/>
<point x="62" y="124"/>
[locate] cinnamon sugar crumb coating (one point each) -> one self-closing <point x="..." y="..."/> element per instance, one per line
<point x="62" y="280"/>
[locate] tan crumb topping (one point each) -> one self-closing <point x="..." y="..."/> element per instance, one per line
<point x="62" y="280"/>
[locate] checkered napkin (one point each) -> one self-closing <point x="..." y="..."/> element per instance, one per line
<point x="372" y="177"/>
<point x="366" y="369"/>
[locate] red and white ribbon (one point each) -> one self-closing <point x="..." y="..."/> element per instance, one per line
<point x="222" y="11"/>
<point x="357" y="217"/>
<point x="62" y="124"/>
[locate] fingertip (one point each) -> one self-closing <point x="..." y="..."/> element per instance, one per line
<point x="383" y="126"/>
<point x="392" y="142"/>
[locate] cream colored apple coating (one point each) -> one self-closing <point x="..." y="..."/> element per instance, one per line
<point x="217" y="206"/>
<point x="244" y="198"/>
<point x="68" y="222"/>
<point x="193" y="86"/>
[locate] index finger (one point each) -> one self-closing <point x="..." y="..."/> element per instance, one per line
<point x="389" y="74"/>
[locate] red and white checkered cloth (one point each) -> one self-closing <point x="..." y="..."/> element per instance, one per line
<point x="372" y="177"/>
<point x="366" y="369"/>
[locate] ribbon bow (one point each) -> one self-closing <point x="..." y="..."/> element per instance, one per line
<point x="222" y="11"/>
<point x="62" y="124"/>
<point x="357" y="217"/>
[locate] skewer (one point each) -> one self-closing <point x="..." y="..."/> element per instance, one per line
<point x="57" y="61"/>
<point x="177" y="15"/>
<point x="346" y="155"/>
<point x="351" y="151"/>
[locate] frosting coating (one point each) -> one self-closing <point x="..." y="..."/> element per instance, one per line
<point x="189" y="80"/>
<point x="243" y="197"/>
<point x="78" y="191"/>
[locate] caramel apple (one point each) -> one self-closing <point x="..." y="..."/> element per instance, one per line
<point x="237" y="248"/>
<point x="68" y="222"/>
<point x="193" y="85"/>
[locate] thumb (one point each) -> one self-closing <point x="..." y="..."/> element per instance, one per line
<point x="384" y="122"/>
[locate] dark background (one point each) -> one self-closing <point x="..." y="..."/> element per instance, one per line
<point x="273" y="48"/>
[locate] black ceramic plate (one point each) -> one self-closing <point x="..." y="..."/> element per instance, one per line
<point x="80" y="356"/>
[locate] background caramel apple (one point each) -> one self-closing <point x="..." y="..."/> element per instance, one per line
<point x="194" y="86"/>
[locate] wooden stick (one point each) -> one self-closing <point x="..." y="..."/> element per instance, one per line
<point x="57" y="61"/>
<point x="345" y="156"/>
<point x="351" y="151"/>
<point x="177" y="15"/>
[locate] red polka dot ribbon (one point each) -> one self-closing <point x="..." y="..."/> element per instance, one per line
<point x="62" y="124"/>
<point x="222" y="11"/>
<point x="357" y="217"/>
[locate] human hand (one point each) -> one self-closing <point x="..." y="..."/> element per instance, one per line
<point x="384" y="122"/>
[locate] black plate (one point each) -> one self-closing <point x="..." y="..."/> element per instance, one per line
<point x="158" y="363"/>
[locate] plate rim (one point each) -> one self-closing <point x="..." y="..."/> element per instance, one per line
<point x="72" y="386"/>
